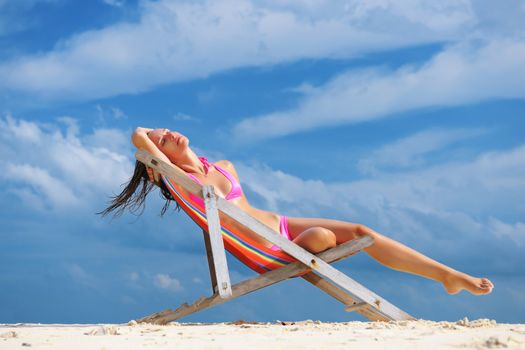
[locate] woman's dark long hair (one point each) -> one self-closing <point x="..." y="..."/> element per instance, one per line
<point x="133" y="198"/>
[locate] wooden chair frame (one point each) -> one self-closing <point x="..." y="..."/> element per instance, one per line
<point x="321" y="274"/>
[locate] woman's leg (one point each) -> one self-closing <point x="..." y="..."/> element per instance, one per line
<point x="319" y="233"/>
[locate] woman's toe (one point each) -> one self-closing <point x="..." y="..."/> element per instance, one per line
<point x="487" y="282"/>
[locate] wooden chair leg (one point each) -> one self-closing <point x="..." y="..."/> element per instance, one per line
<point x="211" y="266"/>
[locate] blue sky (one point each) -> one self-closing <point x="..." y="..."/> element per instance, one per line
<point x="407" y="117"/>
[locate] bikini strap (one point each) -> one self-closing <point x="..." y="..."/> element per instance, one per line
<point x="193" y="177"/>
<point x="206" y="164"/>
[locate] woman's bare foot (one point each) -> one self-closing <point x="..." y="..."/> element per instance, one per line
<point x="457" y="281"/>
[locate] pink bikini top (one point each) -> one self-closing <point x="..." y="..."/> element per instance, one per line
<point x="236" y="190"/>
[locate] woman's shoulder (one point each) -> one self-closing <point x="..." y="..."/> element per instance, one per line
<point x="226" y="165"/>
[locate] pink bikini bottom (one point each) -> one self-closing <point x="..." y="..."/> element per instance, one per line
<point x="283" y="229"/>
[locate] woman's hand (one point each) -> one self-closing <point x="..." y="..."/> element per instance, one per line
<point x="141" y="139"/>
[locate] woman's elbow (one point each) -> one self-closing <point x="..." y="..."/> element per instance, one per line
<point x="137" y="138"/>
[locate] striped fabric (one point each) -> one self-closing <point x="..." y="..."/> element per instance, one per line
<point x="253" y="254"/>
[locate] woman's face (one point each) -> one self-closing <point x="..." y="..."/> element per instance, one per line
<point x="171" y="143"/>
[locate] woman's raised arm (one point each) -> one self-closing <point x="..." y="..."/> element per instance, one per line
<point x="141" y="140"/>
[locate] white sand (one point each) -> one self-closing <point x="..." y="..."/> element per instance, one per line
<point x="464" y="334"/>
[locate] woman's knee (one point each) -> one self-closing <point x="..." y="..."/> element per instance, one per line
<point x="330" y="239"/>
<point x="324" y="237"/>
<point x="316" y="239"/>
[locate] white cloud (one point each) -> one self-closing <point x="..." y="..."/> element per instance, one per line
<point x="110" y="139"/>
<point x="497" y="19"/>
<point x="411" y="151"/>
<point x="116" y="3"/>
<point x="516" y="232"/>
<point x="179" y="40"/>
<point x="285" y="190"/>
<point x="197" y="280"/>
<point x="112" y="113"/>
<point x="21" y="130"/>
<point x="164" y="281"/>
<point x="81" y="276"/>
<point x="383" y="15"/>
<point x="51" y="188"/>
<point x="439" y="16"/>
<point x="133" y="276"/>
<point x="461" y="74"/>
<point x="118" y="113"/>
<point x="471" y="187"/>
<point x="61" y="168"/>
<point x="183" y="117"/>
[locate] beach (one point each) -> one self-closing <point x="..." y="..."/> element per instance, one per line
<point x="308" y="334"/>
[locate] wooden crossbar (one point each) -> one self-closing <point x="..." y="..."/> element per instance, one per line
<point x="340" y="286"/>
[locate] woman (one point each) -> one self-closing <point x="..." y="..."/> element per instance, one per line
<point x="314" y="235"/>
